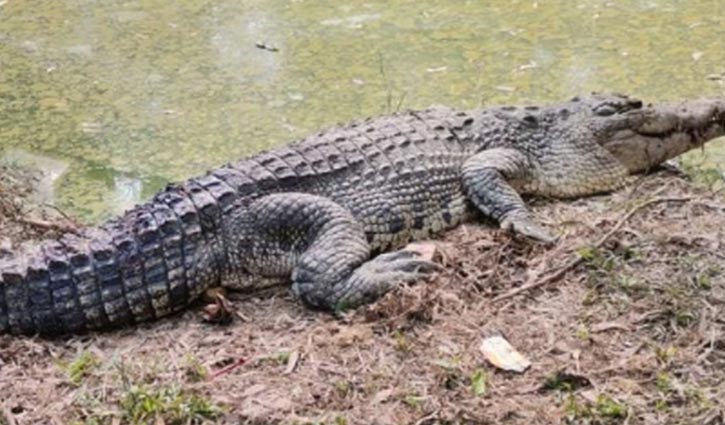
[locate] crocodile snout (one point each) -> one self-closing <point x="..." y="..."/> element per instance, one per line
<point x="694" y="116"/>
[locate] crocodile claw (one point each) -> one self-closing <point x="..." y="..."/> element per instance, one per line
<point x="402" y="261"/>
<point x="526" y="227"/>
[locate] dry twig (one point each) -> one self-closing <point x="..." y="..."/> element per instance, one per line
<point x="226" y="369"/>
<point x="554" y="275"/>
<point x="47" y="225"/>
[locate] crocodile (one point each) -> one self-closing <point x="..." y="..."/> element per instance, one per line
<point x="330" y="213"/>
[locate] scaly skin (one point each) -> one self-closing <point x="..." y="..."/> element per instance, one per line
<point x="327" y="212"/>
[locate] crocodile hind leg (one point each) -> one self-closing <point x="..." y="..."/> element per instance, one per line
<point x="489" y="179"/>
<point x="323" y="248"/>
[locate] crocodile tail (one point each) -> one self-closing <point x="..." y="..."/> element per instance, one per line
<point x="148" y="263"/>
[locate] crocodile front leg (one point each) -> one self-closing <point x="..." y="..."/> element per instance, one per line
<point x="489" y="179"/>
<point x="322" y="247"/>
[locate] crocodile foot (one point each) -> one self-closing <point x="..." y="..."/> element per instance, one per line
<point x="371" y="280"/>
<point x="381" y="274"/>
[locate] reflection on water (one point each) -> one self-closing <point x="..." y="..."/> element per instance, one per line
<point x="50" y="170"/>
<point x="119" y="190"/>
<point x="127" y="191"/>
<point x="133" y="94"/>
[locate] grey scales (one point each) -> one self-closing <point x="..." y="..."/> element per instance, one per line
<point x="329" y="213"/>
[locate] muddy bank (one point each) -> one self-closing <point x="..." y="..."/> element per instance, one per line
<point x="622" y="319"/>
<point x="21" y="218"/>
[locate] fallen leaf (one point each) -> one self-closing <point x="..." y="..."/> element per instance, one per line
<point x="294" y="358"/>
<point x="426" y="250"/>
<point x="501" y="354"/>
<point x="219" y="310"/>
<point x="382" y="396"/>
<point x="210" y="295"/>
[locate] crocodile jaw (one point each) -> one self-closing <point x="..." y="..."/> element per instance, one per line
<point x="655" y="134"/>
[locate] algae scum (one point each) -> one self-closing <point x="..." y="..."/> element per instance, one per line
<point x="116" y="98"/>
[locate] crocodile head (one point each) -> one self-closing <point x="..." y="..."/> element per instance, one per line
<point x="642" y="136"/>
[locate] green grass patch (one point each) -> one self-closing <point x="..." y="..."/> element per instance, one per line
<point x="141" y="404"/>
<point x="479" y="382"/>
<point x="700" y="172"/>
<point x="604" y="410"/>
<point x="194" y="370"/>
<point x="80" y="368"/>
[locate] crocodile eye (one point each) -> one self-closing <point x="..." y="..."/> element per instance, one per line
<point x="605" y="110"/>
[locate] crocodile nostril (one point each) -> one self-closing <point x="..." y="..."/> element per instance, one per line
<point x="605" y="110"/>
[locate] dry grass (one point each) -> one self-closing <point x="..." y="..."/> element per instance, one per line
<point x="630" y="331"/>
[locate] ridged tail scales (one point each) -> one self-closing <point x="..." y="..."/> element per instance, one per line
<point x="152" y="261"/>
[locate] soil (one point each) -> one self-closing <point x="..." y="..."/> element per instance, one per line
<point x="622" y="321"/>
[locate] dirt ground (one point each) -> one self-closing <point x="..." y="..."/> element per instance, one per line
<point x="622" y="320"/>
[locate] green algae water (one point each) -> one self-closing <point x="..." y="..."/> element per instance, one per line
<point x="130" y="95"/>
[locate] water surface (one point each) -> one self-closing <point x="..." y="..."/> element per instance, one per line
<point x="133" y="94"/>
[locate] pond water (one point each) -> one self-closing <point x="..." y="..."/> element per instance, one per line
<point x="129" y="95"/>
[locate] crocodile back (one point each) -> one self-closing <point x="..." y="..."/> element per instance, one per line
<point x="399" y="175"/>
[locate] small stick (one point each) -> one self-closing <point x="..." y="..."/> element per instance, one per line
<point x="428" y="417"/>
<point x="68" y="218"/>
<point x="228" y="368"/>
<point x="539" y="281"/>
<point x="47" y="225"/>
